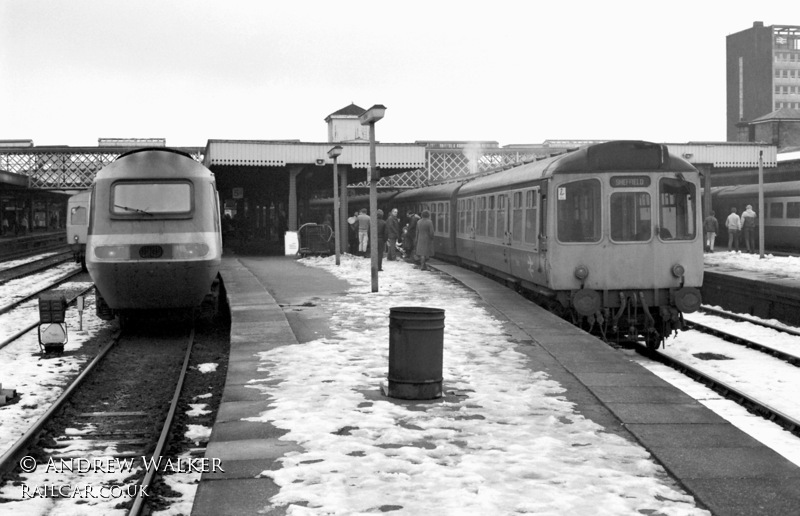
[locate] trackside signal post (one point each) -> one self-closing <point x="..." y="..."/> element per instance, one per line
<point x="52" y="323"/>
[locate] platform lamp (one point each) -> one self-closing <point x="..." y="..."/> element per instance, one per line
<point x="369" y="117"/>
<point x="334" y="154"/>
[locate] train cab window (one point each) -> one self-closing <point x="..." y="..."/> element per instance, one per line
<point x="149" y="199"/>
<point x="530" y="217"/>
<point x="776" y="210"/>
<point x="793" y="210"/>
<point x="677" y="215"/>
<point x="630" y="217"/>
<point x="578" y="211"/>
<point x="77" y="216"/>
<point x="490" y="221"/>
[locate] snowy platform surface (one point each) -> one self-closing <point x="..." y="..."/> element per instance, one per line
<point x="538" y="417"/>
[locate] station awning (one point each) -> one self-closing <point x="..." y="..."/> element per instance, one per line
<point x="391" y="158"/>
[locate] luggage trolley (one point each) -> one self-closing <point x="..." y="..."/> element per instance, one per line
<point x="315" y="239"/>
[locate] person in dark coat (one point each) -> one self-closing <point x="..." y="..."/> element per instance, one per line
<point x="411" y="236"/>
<point x="392" y="234"/>
<point x="381" y="238"/>
<point x="424" y="239"/>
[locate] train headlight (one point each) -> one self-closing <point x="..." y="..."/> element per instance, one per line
<point x="678" y="271"/>
<point x="581" y="272"/>
<point x="188" y="251"/>
<point x="75" y="238"/>
<point x="112" y="252"/>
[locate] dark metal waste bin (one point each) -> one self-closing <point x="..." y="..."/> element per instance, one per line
<point x="416" y="336"/>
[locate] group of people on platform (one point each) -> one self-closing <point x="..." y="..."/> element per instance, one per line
<point x="736" y="226"/>
<point x="412" y="242"/>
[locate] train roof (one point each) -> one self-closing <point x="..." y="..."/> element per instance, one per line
<point x="614" y="156"/>
<point x="154" y="162"/>
<point x="426" y="193"/>
<point x="782" y="189"/>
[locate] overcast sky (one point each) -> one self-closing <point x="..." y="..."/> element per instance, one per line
<point x="512" y="72"/>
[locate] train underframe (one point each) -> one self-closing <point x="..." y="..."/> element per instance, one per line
<point x="635" y="317"/>
<point x="621" y="316"/>
<point x="206" y="312"/>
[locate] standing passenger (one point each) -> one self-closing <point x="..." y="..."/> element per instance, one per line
<point x="352" y="236"/>
<point x="392" y="234"/>
<point x="748" y="225"/>
<point x="363" y="231"/>
<point x="710" y="226"/>
<point x="424" y="239"/>
<point x="733" y="224"/>
<point x="411" y="236"/>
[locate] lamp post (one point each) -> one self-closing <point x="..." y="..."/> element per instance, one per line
<point x="334" y="153"/>
<point x="369" y="117"/>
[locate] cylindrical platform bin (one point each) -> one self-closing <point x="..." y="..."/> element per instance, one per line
<point x="416" y="336"/>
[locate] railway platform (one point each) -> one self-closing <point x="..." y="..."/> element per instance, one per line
<point x="278" y="303"/>
<point x="742" y="283"/>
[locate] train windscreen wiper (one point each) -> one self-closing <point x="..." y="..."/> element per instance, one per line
<point x="137" y="210"/>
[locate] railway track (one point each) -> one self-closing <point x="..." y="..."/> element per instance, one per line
<point x="786" y="356"/>
<point x="751" y="403"/>
<point x="118" y="434"/>
<point x="32" y="266"/>
<point x="25" y="296"/>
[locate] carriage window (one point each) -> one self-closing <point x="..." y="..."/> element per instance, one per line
<point x="461" y="216"/>
<point x="490" y="224"/>
<point x="470" y="208"/>
<point x="677" y="209"/>
<point x="793" y="210"/>
<point x="579" y="211"/>
<point x="447" y="218"/>
<point x="480" y="222"/>
<point x="630" y="216"/>
<point x="148" y="199"/>
<point x="776" y="210"/>
<point x="516" y="217"/>
<point x="501" y="215"/>
<point x="530" y="217"/>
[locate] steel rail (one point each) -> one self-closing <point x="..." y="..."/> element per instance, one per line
<point x="8" y="460"/>
<point x="741" y="318"/>
<point x="138" y="502"/>
<point x="34" y="266"/>
<point x="752" y="404"/>
<point x="31" y="326"/>
<point x="59" y="280"/>
<point x="735" y="339"/>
